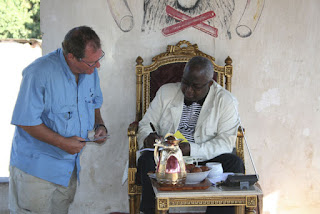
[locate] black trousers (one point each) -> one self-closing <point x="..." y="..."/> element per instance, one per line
<point x="230" y="163"/>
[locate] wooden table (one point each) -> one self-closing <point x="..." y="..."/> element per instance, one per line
<point x="245" y="200"/>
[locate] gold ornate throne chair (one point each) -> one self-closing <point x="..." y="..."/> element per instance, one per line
<point x="166" y="67"/>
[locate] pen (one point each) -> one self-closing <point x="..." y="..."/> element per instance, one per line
<point x="152" y="127"/>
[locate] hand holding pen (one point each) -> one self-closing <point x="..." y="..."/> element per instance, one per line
<point x="150" y="139"/>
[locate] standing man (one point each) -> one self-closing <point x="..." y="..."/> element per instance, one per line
<point x="58" y="103"/>
<point x="204" y="112"/>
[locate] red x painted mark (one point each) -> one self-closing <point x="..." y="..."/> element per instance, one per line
<point x="188" y="21"/>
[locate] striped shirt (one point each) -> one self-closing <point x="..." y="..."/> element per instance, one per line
<point x="188" y="121"/>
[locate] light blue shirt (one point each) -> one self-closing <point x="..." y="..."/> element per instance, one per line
<point x="50" y="95"/>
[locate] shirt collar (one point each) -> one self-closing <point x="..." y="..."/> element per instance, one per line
<point x="200" y="102"/>
<point x="66" y="69"/>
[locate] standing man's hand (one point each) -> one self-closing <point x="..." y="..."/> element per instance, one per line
<point x="99" y="128"/>
<point x="150" y="140"/>
<point x="185" y="148"/>
<point x="100" y="131"/>
<point x="72" y="145"/>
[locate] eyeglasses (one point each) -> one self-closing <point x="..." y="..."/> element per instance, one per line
<point x="195" y="87"/>
<point x="93" y="64"/>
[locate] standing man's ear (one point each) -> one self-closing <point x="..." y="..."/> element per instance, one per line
<point x="70" y="56"/>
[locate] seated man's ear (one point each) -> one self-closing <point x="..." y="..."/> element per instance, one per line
<point x="210" y="83"/>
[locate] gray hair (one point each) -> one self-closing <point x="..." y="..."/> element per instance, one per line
<point x="201" y="64"/>
<point x="77" y="39"/>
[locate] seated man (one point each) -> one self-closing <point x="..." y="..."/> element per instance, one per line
<point x="204" y="112"/>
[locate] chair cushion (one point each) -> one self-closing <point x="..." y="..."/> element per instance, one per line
<point x="170" y="73"/>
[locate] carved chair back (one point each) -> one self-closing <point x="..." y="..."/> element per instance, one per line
<point x="167" y="68"/>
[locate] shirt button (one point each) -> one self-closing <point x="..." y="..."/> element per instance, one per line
<point x="69" y="173"/>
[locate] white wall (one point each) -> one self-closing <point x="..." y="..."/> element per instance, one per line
<point x="14" y="57"/>
<point x="275" y="82"/>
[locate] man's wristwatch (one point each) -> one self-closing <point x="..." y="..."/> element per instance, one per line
<point x="100" y="125"/>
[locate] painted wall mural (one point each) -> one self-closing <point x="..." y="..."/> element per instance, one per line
<point x="121" y="14"/>
<point x="212" y="17"/>
<point x="188" y="21"/>
<point x="250" y="17"/>
<point x="156" y="15"/>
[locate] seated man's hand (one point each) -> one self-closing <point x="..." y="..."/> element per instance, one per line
<point x="150" y="140"/>
<point x="185" y="148"/>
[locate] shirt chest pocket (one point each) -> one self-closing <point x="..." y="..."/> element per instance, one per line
<point x="63" y="118"/>
<point x="90" y="107"/>
<point x="206" y="129"/>
<point x="211" y="127"/>
<point x="211" y="131"/>
<point x="207" y="133"/>
<point x="90" y="96"/>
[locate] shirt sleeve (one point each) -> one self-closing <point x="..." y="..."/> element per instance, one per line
<point x="152" y="115"/>
<point x="99" y="96"/>
<point x="221" y="139"/>
<point x="30" y="101"/>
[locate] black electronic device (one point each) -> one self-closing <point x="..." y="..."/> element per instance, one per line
<point x="240" y="180"/>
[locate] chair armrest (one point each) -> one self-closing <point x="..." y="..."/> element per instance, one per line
<point x="133" y="144"/>
<point x="133" y="128"/>
<point x="239" y="143"/>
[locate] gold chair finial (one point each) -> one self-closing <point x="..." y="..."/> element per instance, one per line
<point x="139" y="60"/>
<point x="228" y="61"/>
